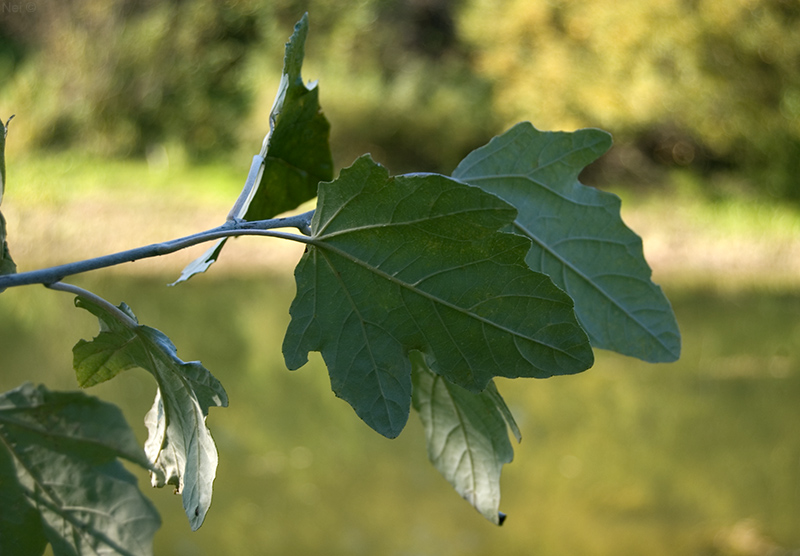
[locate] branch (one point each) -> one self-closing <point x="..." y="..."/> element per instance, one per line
<point x="49" y="276"/>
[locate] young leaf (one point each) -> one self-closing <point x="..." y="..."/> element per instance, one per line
<point x="179" y="444"/>
<point x="7" y="265"/>
<point x="296" y="157"/>
<point x="417" y="262"/>
<point x="61" y="481"/>
<point x="578" y="236"/>
<point x="466" y="435"/>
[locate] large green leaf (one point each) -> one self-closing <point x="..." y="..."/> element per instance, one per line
<point x="61" y="481"/>
<point x="296" y="154"/>
<point x="578" y="236"/>
<point x="7" y="265"/>
<point x="417" y="263"/>
<point x="466" y="435"/>
<point x="179" y="444"/>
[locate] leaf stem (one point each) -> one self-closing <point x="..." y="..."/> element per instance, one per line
<point x="51" y="275"/>
<point x="118" y="313"/>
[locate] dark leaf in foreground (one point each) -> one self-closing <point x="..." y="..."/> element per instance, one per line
<point x="61" y="480"/>
<point x="417" y="263"/>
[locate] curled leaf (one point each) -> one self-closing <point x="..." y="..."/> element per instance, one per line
<point x="179" y="445"/>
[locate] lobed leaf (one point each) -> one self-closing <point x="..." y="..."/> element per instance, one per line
<point x="7" y="265"/>
<point x="578" y="237"/>
<point x="466" y="436"/>
<point x="61" y="480"/>
<point x="179" y="444"/>
<point x="297" y="156"/>
<point x="417" y="263"/>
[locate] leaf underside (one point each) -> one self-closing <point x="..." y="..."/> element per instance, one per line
<point x="179" y="444"/>
<point x="418" y="262"/>
<point x="466" y="435"/>
<point x="61" y="481"/>
<point x="578" y="237"/>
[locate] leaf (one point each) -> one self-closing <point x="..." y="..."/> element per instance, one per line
<point x="466" y="436"/>
<point x="61" y="480"/>
<point x="179" y="444"/>
<point x="7" y="265"/>
<point x="297" y="157"/>
<point x="109" y="353"/>
<point x="417" y="263"/>
<point x="579" y="238"/>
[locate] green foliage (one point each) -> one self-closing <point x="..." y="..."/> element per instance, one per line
<point x="709" y="85"/>
<point x="116" y="78"/>
<point x="417" y="289"/>
<point x="61" y="480"/>
<point x="702" y="83"/>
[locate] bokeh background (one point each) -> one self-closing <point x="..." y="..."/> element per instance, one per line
<point x="136" y="121"/>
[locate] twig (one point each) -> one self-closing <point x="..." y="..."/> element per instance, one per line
<point x="51" y="275"/>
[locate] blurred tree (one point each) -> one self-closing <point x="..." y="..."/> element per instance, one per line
<point x="123" y="76"/>
<point x="699" y="82"/>
<point x="118" y="76"/>
<point x="397" y="82"/>
<point x="681" y="83"/>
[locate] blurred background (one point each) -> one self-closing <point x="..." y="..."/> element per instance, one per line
<point x="136" y="122"/>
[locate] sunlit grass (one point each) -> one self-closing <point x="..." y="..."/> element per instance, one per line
<point x="46" y="179"/>
<point x="729" y="241"/>
<point x="67" y="206"/>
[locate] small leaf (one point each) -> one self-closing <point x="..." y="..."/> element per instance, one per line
<point x="579" y="238"/>
<point x="417" y="263"/>
<point x="7" y="265"/>
<point x="61" y="481"/>
<point x="466" y="436"/>
<point x="297" y="156"/>
<point x="179" y="445"/>
<point x="201" y="263"/>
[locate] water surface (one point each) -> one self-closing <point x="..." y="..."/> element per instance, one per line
<point x="697" y="457"/>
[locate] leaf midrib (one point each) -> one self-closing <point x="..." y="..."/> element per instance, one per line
<point x="566" y="263"/>
<point x="362" y="323"/>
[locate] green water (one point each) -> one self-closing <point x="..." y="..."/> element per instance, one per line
<point x="697" y="457"/>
